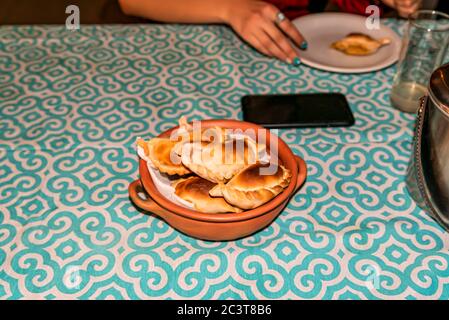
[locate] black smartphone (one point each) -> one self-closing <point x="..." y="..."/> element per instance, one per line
<point x="298" y="110"/>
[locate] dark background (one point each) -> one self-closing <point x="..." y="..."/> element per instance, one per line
<point x="92" y="11"/>
<point x="53" y="12"/>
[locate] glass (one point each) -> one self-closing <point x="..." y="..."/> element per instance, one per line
<point x="423" y="50"/>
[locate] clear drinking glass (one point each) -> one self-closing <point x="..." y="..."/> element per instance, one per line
<point x="423" y="50"/>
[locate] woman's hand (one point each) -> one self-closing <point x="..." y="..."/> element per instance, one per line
<point x="258" y="24"/>
<point x="404" y="7"/>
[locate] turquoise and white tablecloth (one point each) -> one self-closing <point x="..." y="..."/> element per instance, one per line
<point x="71" y="107"/>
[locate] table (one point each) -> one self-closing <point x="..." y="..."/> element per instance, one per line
<point x="71" y="107"/>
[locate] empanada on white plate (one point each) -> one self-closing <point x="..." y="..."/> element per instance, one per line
<point x="196" y="190"/>
<point x="249" y="188"/>
<point x="162" y="157"/>
<point x="359" y="44"/>
<point x="219" y="162"/>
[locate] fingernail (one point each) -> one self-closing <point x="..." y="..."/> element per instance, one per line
<point x="303" y="45"/>
<point x="296" y="61"/>
<point x="288" y="60"/>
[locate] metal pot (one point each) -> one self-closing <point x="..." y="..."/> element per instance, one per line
<point x="428" y="172"/>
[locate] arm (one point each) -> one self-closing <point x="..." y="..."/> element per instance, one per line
<point x="183" y="11"/>
<point x="253" y="20"/>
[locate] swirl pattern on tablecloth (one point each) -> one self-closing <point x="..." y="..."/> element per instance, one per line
<point x="71" y="107"/>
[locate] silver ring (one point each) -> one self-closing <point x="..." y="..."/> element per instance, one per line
<point x="280" y="17"/>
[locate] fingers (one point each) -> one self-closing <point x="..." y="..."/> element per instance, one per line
<point x="407" y="7"/>
<point x="279" y="44"/>
<point x="289" y="29"/>
<point x="257" y="44"/>
<point x="271" y="47"/>
<point x="260" y="29"/>
<point x="408" y="3"/>
<point x="271" y="12"/>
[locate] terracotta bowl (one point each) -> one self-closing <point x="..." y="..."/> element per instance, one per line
<point x="223" y="226"/>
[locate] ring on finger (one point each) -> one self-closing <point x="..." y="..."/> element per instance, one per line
<point x="280" y="17"/>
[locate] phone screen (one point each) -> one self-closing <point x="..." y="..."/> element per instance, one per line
<point x="298" y="110"/>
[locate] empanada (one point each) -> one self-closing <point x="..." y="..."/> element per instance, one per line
<point x="249" y="188"/>
<point x="160" y="152"/>
<point x="187" y="133"/>
<point x="359" y="44"/>
<point x="191" y="133"/>
<point x="196" y="190"/>
<point x="219" y="162"/>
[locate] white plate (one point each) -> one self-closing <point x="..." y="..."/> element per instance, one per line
<point x="321" y="29"/>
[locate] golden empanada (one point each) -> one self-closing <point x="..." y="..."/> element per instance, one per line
<point x="249" y="188"/>
<point x="219" y="162"/>
<point x="196" y="190"/>
<point x="192" y="133"/>
<point x="359" y="44"/>
<point x="160" y="152"/>
<point x="187" y="133"/>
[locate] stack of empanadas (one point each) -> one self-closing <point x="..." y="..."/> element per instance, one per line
<point x="216" y="171"/>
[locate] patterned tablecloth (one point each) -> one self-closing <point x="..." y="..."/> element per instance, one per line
<point x="71" y="107"/>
